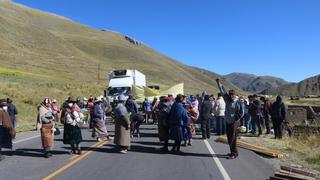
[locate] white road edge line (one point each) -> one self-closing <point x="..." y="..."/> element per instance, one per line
<point x="26" y="139"/>
<point x="29" y="138"/>
<point x="217" y="161"/>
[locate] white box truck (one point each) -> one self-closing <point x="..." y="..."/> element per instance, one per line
<point x="121" y="82"/>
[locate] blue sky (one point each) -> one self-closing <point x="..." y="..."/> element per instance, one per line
<point x="263" y="37"/>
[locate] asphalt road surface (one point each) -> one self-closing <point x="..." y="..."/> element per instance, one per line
<point x="204" y="160"/>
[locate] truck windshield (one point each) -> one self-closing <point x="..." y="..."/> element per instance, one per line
<point x="115" y="91"/>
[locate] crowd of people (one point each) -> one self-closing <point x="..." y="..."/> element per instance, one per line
<point x="229" y="114"/>
<point x="75" y="113"/>
<point x="177" y="118"/>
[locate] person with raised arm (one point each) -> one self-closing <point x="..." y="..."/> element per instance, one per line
<point x="233" y="113"/>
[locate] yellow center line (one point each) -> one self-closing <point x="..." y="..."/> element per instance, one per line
<point x="94" y="145"/>
<point x="75" y="160"/>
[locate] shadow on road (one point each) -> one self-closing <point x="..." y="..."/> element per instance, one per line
<point x="149" y="143"/>
<point x="145" y="128"/>
<point x="31" y="152"/>
<point x="111" y="148"/>
<point x="144" y="135"/>
<point x="84" y="140"/>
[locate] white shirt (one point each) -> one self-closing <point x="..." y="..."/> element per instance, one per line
<point x="220" y="107"/>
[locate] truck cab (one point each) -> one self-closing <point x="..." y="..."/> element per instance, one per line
<point x="121" y="82"/>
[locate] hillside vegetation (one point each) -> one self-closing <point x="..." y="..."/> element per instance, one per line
<point x="43" y="54"/>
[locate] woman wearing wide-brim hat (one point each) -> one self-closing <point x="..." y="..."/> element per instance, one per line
<point x="122" y="126"/>
<point x="99" y="122"/>
<point x="46" y="119"/>
<point x="7" y="132"/>
<point x="72" y="126"/>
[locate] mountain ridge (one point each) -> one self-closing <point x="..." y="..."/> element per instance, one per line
<point x="253" y="83"/>
<point x="306" y="87"/>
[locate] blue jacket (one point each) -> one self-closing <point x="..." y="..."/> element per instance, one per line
<point x="132" y="106"/>
<point x="146" y="106"/>
<point x="178" y="117"/>
<point x="98" y="111"/>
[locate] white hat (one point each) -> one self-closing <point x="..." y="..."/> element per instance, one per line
<point x="54" y="100"/>
<point x="98" y="99"/>
<point x="122" y="98"/>
<point x="242" y="129"/>
<point x="85" y="99"/>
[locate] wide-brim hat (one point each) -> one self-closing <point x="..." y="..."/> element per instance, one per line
<point x="3" y="102"/>
<point x="98" y="99"/>
<point x="122" y="97"/>
<point x="163" y="98"/>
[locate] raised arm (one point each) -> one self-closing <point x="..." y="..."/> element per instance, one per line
<point x="221" y="87"/>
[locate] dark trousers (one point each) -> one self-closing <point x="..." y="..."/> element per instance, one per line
<point x="91" y="125"/>
<point x="176" y="145"/>
<point x="267" y="122"/>
<point x="277" y="126"/>
<point x="213" y="124"/>
<point x="154" y="118"/>
<point x="166" y="144"/>
<point x="256" y="121"/>
<point x="243" y="120"/>
<point x="205" y="128"/>
<point x="232" y="138"/>
<point x="135" y="127"/>
<point x="123" y="148"/>
<point x="220" y="125"/>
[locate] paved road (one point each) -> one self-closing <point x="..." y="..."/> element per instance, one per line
<point x="204" y="160"/>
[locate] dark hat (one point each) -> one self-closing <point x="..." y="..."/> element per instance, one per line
<point x="232" y="92"/>
<point x="9" y="100"/>
<point x="163" y="99"/>
<point x="206" y="97"/>
<point x="179" y="98"/>
<point x="72" y="99"/>
<point x="3" y="102"/>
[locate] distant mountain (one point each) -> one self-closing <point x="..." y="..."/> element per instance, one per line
<point x="241" y="80"/>
<point x="253" y="83"/>
<point x="309" y="86"/>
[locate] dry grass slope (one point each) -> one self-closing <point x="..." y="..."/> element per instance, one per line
<point x="304" y="150"/>
<point x="43" y="54"/>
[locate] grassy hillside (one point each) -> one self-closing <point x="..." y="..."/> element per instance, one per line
<point x="43" y="54"/>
